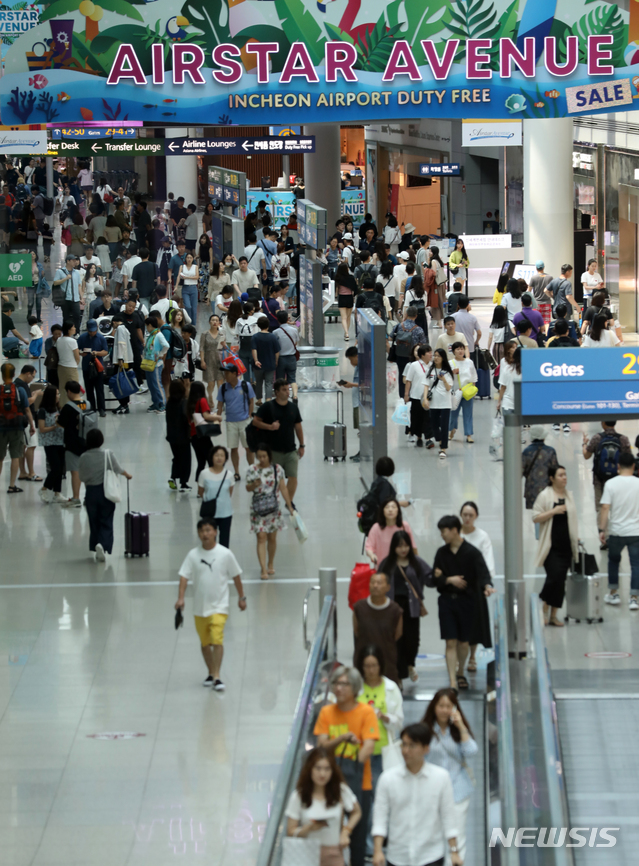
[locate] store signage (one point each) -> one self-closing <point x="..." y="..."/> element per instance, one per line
<point x="241" y="145"/>
<point x="311" y="224"/>
<point x="23" y="141"/>
<point x="491" y="133"/>
<point x="580" y="382"/>
<point x="439" y="169"/>
<point x="104" y="147"/>
<point x="487" y="242"/>
<point x="15" y="270"/>
<point x="280" y="203"/>
<point x="294" y="62"/>
<point x="82" y="133"/>
<point x="13" y="22"/>
<point x="227" y="186"/>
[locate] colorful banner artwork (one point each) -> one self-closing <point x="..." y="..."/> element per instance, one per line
<point x="301" y="61"/>
<point x="281" y="202"/>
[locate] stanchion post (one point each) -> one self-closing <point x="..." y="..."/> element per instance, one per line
<point x="328" y="586"/>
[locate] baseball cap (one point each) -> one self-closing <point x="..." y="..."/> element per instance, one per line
<point x="166" y="238"/>
<point x="244" y="297"/>
<point x="347" y="236"/>
<point x="92" y="325"/>
<point x="403" y="255"/>
<point x="539" y="265"/>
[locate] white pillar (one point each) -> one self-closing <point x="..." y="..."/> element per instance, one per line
<point x="181" y="171"/>
<point x="548" y="193"/>
<point x="321" y="171"/>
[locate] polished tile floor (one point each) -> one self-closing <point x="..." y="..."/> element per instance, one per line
<point x="91" y="649"/>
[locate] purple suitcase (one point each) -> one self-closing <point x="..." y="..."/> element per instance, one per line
<point x="136" y="530"/>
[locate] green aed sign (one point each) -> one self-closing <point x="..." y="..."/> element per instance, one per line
<point x="15" y="270"/>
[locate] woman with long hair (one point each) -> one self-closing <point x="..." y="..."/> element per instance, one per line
<point x="229" y="325"/>
<point x="198" y="412"/>
<point x="437" y="397"/>
<point x="416" y="296"/>
<point x="210" y="345"/>
<point x="188" y="276"/>
<point x="459" y="262"/>
<point x="178" y="435"/>
<point x="480" y="539"/>
<point x="509" y="373"/>
<point x="317" y="805"/>
<point x="512" y="299"/>
<point x="51" y="437"/>
<point x="499" y="332"/>
<point x="207" y="217"/>
<point x="441" y="283"/>
<point x="555" y="511"/>
<point x="388" y="284"/>
<point x="389" y="520"/>
<point x="392" y="234"/>
<point x="286" y="239"/>
<point x="600" y="337"/>
<point x="246" y="328"/>
<point x="381" y="253"/>
<point x="408" y="575"/>
<point x="500" y="290"/>
<point x="218" y="279"/>
<point x="266" y="480"/>
<point x="451" y="746"/>
<point x="346" y="289"/>
<point x="91" y="283"/>
<point x="204" y="261"/>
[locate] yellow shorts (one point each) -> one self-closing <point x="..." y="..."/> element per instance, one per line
<point x="210" y="629"/>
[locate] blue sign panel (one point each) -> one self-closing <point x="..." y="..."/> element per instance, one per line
<point x="439" y="169"/>
<point x="241" y="145"/>
<point x="580" y="382"/>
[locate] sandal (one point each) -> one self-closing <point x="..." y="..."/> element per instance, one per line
<point x="263" y="576"/>
<point x="462" y="682"/>
<point x="271" y="571"/>
<point x="15" y="490"/>
<point x="556" y="623"/>
<point x="472" y="666"/>
<point x="35" y="478"/>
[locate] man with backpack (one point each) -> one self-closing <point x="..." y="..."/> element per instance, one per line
<point x="406" y="335"/>
<point x="559" y="290"/>
<point x="365" y="270"/>
<point x="15" y="415"/>
<point x="236" y="398"/>
<point x="371" y="299"/>
<point x="72" y="421"/>
<point x="605" y="448"/>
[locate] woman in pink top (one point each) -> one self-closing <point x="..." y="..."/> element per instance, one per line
<point x="388" y="522"/>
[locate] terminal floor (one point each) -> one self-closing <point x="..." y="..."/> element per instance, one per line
<point x="90" y="649"/>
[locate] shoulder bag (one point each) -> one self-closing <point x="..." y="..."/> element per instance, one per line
<point x="532" y="462"/>
<point x="208" y="508"/>
<point x="297" y="354"/>
<point x="111" y="482"/>
<point x="422" y="606"/>
<point x="264" y="504"/>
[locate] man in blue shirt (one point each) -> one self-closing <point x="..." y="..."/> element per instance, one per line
<point x="93" y="345"/>
<point x="177" y="261"/>
<point x="236" y="398"/>
<point x="70" y="279"/>
<point x="269" y="247"/>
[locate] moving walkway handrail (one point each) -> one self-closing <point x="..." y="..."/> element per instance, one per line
<point x="557" y="798"/>
<point x="505" y="741"/>
<point x="301" y="721"/>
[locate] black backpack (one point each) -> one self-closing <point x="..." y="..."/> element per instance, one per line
<point x="403" y="343"/>
<point x="47" y="205"/>
<point x="371" y="300"/>
<point x="177" y="346"/>
<point x="606" y="460"/>
<point x="420" y="305"/>
<point x="367" y="508"/>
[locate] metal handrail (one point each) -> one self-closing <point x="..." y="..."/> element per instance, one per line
<point x="557" y="797"/>
<point x="505" y="740"/>
<point x="305" y="640"/>
<point x="301" y="720"/>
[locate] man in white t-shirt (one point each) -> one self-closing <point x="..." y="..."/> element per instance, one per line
<point x="399" y="270"/>
<point x="452" y="335"/>
<point x="245" y="278"/>
<point x="620" y="516"/>
<point x="163" y="305"/>
<point x="255" y="256"/>
<point x="127" y="269"/>
<point x="415" y="376"/>
<point x="210" y="567"/>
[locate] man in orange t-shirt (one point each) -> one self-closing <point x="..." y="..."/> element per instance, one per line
<point x="351" y="729"/>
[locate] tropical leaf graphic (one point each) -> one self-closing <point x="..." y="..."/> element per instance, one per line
<point x="471" y="19"/>
<point x="63" y="7"/>
<point x="375" y="48"/>
<point x="299" y="26"/>
<point x="603" y="20"/>
<point x="265" y="33"/>
<point x="417" y="21"/>
<point x="212" y="18"/>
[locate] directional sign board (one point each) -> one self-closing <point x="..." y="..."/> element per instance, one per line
<point x="212" y="146"/>
<point x="84" y="133"/>
<point x="580" y="382"/>
<point x="227" y="186"/>
<point x="439" y="169"/>
<point x="105" y="147"/>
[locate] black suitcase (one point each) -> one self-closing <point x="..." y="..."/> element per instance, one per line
<point x="335" y="435"/>
<point x="136" y="530"/>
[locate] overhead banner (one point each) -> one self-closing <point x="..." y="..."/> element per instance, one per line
<point x="300" y="61"/>
<point x="23" y="141"/>
<point x="281" y="202"/>
<point x="491" y="133"/>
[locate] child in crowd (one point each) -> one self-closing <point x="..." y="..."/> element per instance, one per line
<point x="35" y="331"/>
<point x="104" y="254"/>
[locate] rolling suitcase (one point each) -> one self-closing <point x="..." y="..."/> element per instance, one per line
<point x="335" y="435"/>
<point x="584" y="591"/>
<point x="136" y="530"/>
<point x="483" y="383"/>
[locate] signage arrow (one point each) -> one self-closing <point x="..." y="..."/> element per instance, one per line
<point x="246" y="145"/>
<point x="173" y="146"/>
<point x="95" y="147"/>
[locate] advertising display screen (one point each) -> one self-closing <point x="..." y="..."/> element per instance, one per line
<point x="293" y="62"/>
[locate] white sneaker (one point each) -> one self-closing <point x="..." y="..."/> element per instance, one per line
<point x="100" y="555"/>
<point x="144" y="389"/>
<point x="442" y="455"/>
<point x="412" y="439"/>
<point x="45" y="495"/>
<point x="58" y="497"/>
<point x="634" y="603"/>
<point x="612" y="598"/>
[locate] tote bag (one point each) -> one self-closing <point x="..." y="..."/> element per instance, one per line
<point x="112" y="489"/>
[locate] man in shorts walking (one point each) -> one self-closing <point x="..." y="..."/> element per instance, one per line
<point x="210" y="567"/>
<point x="236" y="398"/>
<point x="461" y="574"/>
<point x="282" y="421"/>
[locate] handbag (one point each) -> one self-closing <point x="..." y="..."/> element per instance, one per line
<point x="108" y="198"/>
<point x="264" y="504"/>
<point x="65" y="237"/>
<point x="148" y="365"/>
<point x="469" y="390"/>
<point x="111" y="483"/>
<point x="124" y="384"/>
<point x="401" y="415"/>
<point x="498" y="426"/>
<point x="586" y="565"/>
<point x="300" y="852"/>
<point x="297" y="354"/>
<point x="209" y="507"/>
<point x="228" y="357"/>
<point x="204" y="427"/>
<point x="300" y="527"/>
<point x="99" y="366"/>
<point x="422" y="606"/>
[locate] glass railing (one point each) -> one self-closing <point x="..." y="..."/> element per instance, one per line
<point x="501" y="788"/>
<point x="553" y="764"/>
<point x="313" y="695"/>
